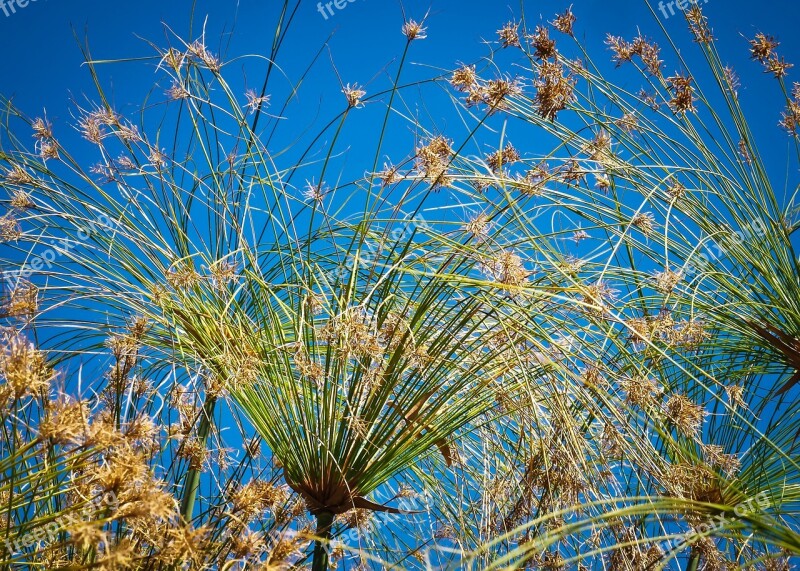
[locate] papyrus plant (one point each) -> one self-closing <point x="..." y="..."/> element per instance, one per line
<point x="680" y="351"/>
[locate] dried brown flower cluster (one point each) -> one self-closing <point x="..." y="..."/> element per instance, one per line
<point x="509" y="35"/>
<point x="183" y="276"/>
<point x="629" y="552"/>
<point x="97" y="125"/>
<point x="735" y="395"/>
<point x="507" y="268"/>
<point x="641" y="329"/>
<point x="602" y="182"/>
<point x="21" y="200"/>
<point x="623" y="50"/>
<point x="689" y="335"/>
<point x="223" y="273"/>
<point x="744" y="153"/>
<point x="565" y="22"/>
<point x="762" y="49"/>
<point x="612" y="441"/>
<point x="194" y="451"/>
<point x="413" y="31"/>
<point x="478" y="225"/>
<point x="286" y="547"/>
<point x="18" y="176"/>
<point x="645" y="222"/>
<point x="10" y="229"/>
<point x="790" y="119"/>
<point x="314" y="192"/>
<point x="554" y="89"/>
<point x="42" y="129"/>
<point x="544" y="47"/>
<point x="182" y="401"/>
<point x="125" y="347"/>
<point x="715" y="455"/>
<point x="649" y="52"/>
<point x="642" y="391"/>
<point x="501" y="157"/>
<point x="198" y="51"/>
<point x="105" y="457"/>
<point x="599" y="148"/>
<point x="693" y="481"/>
<point x="496" y="93"/>
<point x="596" y="297"/>
<point x="395" y="330"/>
<point x="629" y="123"/>
<point x="23" y="369"/>
<point x="395" y="335"/>
<point x="713" y="559"/>
<point x="173" y="59"/>
<point x="676" y="190"/>
<point x="532" y="182"/>
<point x="360" y="519"/>
<point x="465" y="78"/>
<point x="389" y="175"/>
<point x="308" y="367"/>
<point x="351" y="333"/>
<point x="433" y="161"/>
<point x="176" y="92"/>
<point x="66" y="423"/>
<point x="682" y="93"/>
<point x="698" y="25"/>
<point x="666" y="281"/>
<point x="255" y="101"/>
<point x="685" y="415"/>
<point x="354" y="94"/>
<point x="45" y="142"/>
<point x="571" y="265"/>
<point x="649" y="99"/>
<point x="546" y="485"/>
<point x="249" y="501"/>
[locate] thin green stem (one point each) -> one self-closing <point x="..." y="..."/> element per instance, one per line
<point x="321" y="544"/>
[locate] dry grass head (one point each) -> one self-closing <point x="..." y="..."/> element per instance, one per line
<point x="23" y="368"/>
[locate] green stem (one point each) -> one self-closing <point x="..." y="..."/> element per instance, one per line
<point x="694" y="561"/>
<point x="324" y="526"/>
<point x="193" y="474"/>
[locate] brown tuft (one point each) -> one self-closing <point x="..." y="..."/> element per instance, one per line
<point x="509" y="35"/>
<point x="564" y="22"/>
